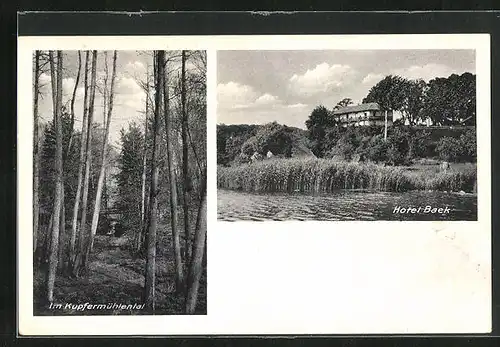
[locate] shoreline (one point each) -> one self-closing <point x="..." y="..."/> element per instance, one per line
<point x="314" y="175"/>
<point x="368" y="191"/>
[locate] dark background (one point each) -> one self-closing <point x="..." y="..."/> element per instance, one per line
<point x="222" y="24"/>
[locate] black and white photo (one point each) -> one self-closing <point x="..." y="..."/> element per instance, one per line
<point x="119" y="182"/>
<point x="338" y="135"/>
<point x="180" y="185"/>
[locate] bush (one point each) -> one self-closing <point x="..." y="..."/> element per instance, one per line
<point x="344" y="149"/>
<point x="377" y="149"/>
<point x="449" y="149"/>
<point x="421" y="145"/>
<point x="250" y="146"/>
<point x="398" y="143"/>
<point x="469" y="145"/>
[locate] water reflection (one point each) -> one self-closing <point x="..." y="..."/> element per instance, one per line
<point x="345" y="205"/>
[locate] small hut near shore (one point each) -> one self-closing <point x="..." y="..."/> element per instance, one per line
<point x="256" y="157"/>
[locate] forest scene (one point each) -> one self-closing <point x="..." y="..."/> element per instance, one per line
<point x="119" y="183"/>
<point x="407" y="140"/>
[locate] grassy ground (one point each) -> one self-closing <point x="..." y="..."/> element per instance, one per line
<point x="325" y="175"/>
<point x="116" y="276"/>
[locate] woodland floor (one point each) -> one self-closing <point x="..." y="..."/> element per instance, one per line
<point x="116" y="276"/>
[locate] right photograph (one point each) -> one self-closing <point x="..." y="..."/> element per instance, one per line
<point x="346" y="135"/>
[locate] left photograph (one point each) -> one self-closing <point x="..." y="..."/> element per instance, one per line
<point x="119" y="183"/>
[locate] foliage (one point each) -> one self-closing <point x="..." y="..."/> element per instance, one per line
<point x="388" y="93"/>
<point x="70" y="165"/>
<point x="275" y="138"/>
<point x="452" y="100"/>
<point x="469" y="145"/>
<point x="343" y="103"/>
<point x="129" y="176"/>
<point x="398" y="147"/>
<point x="462" y="149"/>
<point x="376" y="150"/>
<point x="230" y="138"/>
<point x="319" y="120"/>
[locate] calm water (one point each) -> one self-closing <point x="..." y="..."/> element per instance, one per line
<point x="343" y="205"/>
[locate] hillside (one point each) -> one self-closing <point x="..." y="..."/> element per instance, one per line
<point x="238" y="143"/>
<point x="235" y="142"/>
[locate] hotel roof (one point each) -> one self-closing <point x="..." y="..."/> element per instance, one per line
<point x="372" y="106"/>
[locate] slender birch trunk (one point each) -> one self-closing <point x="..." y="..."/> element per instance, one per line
<point x="104" y="113"/>
<point x="179" y="273"/>
<point x="138" y="235"/>
<point x="83" y="145"/>
<point x="53" y="258"/>
<point x="46" y="249"/>
<point x="150" y="278"/>
<point x="104" y="162"/>
<point x="53" y="84"/>
<point x="36" y="154"/>
<point x="196" y="264"/>
<point x="185" y="163"/>
<point x="81" y="259"/>
<point x="62" y="228"/>
<point x="73" y="97"/>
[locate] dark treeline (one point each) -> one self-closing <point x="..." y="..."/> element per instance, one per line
<point x="445" y="101"/>
<point x="154" y="182"/>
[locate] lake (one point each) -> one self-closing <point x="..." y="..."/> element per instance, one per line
<point x="346" y="205"/>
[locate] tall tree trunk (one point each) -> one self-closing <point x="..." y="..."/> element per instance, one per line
<point x="83" y="145"/>
<point x="51" y="273"/>
<point x="73" y="97"/>
<point x="104" y="162"/>
<point x="62" y="228"/>
<point x="36" y="155"/>
<point x="53" y="83"/>
<point x="196" y="264"/>
<point x="150" y="278"/>
<point x="138" y="235"/>
<point x="44" y="257"/>
<point x="185" y="163"/>
<point x="179" y="273"/>
<point x="81" y="260"/>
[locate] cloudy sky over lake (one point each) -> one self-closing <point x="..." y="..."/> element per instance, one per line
<point x="257" y="87"/>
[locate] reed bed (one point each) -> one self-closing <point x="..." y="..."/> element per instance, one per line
<point x="312" y="175"/>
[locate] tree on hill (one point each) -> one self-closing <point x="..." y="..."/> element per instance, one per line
<point x="413" y="100"/>
<point x="276" y="138"/>
<point x="319" y="120"/>
<point x="388" y="93"/>
<point x="343" y="103"/>
<point x="452" y="100"/>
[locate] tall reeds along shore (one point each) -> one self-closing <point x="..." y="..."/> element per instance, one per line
<point x="313" y="175"/>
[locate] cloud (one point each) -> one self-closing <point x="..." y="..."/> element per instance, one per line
<point x="232" y="93"/>
<point x="321" y="79"/>
<point x="127" y="86"/>
<point x="135" y="66"/>
<point x="426" y="72"/>
<point x="236" y="96"/>
<point x="299" y="105"/>
<point x="266" y="99"/>
<point x="372" y="78"/>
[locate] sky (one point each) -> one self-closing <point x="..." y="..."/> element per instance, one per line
<point x="257" y="87"/>
<point x="129" y="102"/>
